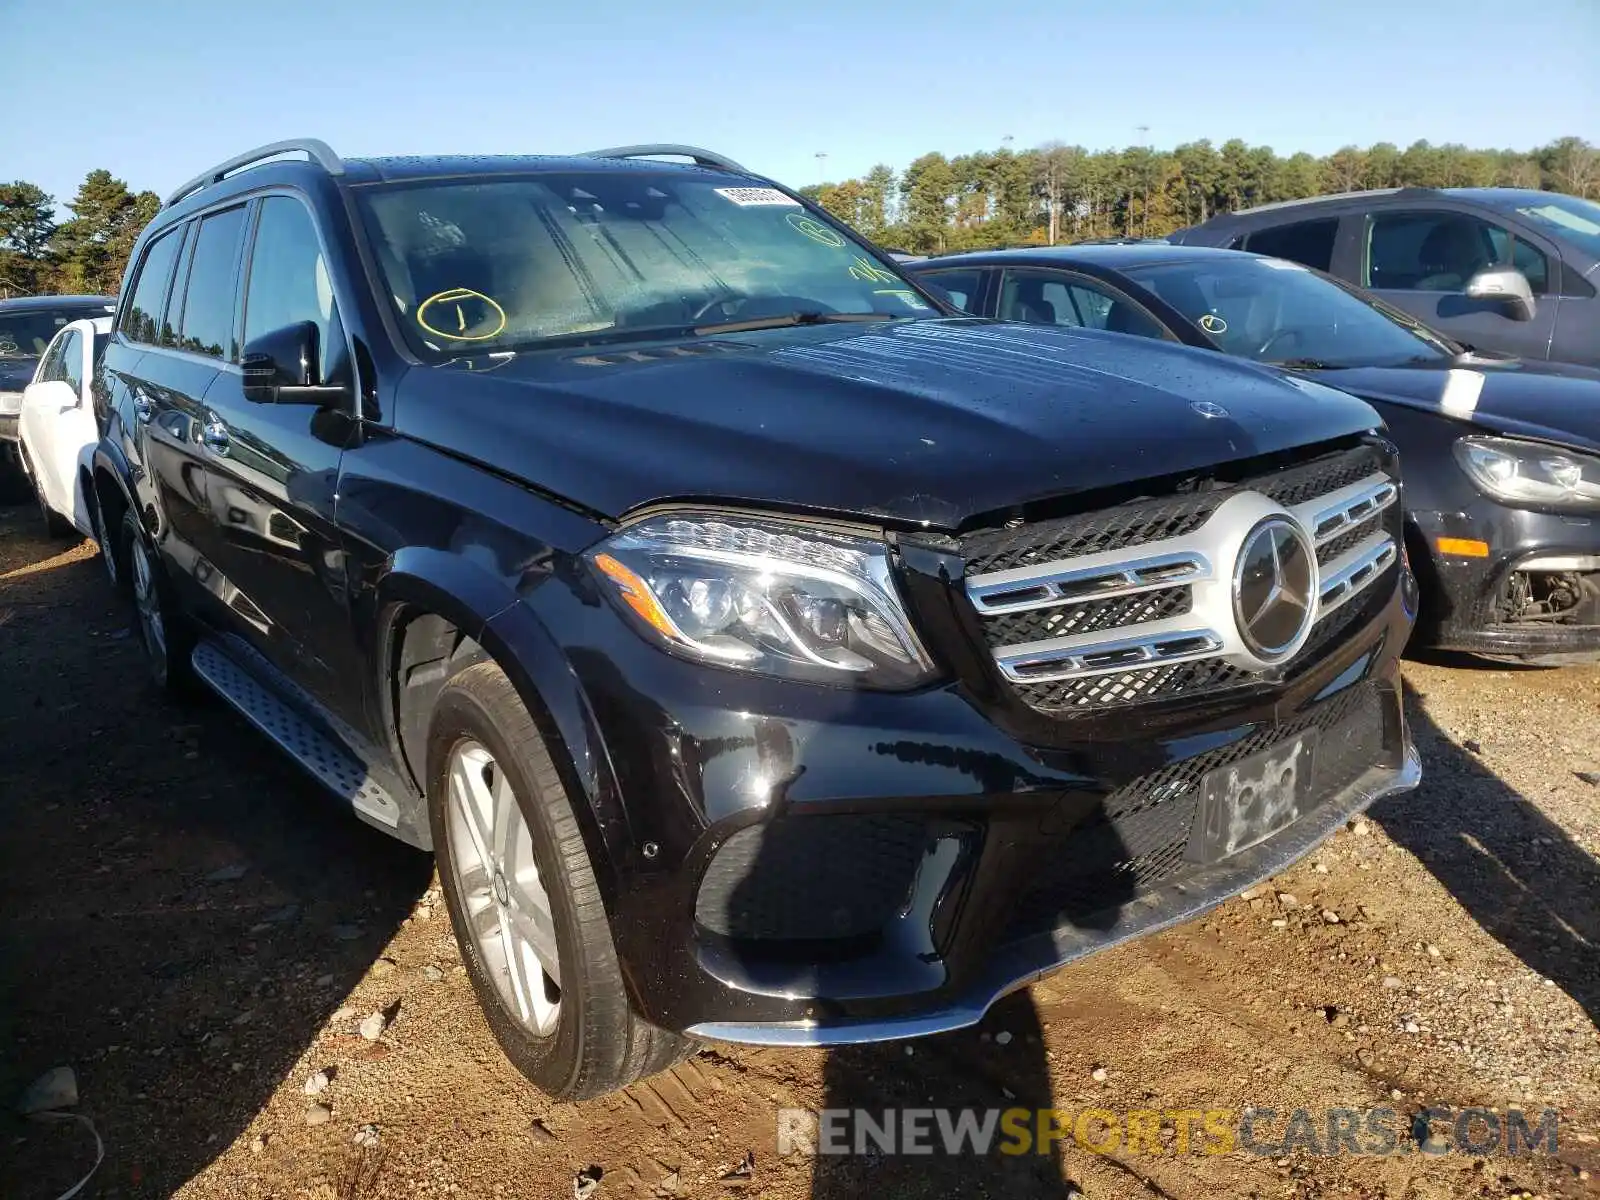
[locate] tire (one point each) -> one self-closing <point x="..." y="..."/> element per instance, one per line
<point x="593" y="1043"/>
<point x="112" y="558"/>
<point x="56" y="527"/>
<point x="166" y="634"/>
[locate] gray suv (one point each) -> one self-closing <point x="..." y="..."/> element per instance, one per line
<point x="1504" y="269"/>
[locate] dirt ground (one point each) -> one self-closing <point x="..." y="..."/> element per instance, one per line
<point x="196" y="929"/>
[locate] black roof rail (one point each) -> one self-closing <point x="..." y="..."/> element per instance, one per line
<point x="317" y="151"/>
<point x="701" y="158"/>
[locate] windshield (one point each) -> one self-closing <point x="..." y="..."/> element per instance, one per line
<point x="1568" y="218"/>
<point x="475" y="265"/>
<point x="26" y="334"/>
<point x="1276" y="311"/>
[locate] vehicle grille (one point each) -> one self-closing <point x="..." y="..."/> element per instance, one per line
<point x="1140" y="836"/>
<point x="1098" y="610"/>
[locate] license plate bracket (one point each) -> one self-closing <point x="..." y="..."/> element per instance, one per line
<point x="1246" y="802"/>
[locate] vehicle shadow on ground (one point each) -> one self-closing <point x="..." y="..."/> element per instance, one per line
<point x="969" y="1070"/>
<point x="181" y="911"/>
<point x="1517" y="873"/>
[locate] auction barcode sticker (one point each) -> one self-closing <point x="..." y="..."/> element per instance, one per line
<point x="750" y="197"/>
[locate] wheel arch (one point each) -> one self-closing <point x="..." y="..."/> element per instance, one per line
<point x="437" y="613"/>
<point x="107" y="472"/>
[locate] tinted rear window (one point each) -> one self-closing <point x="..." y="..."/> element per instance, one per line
<point x="1308" y="242"/>
<point x="142" y="320"/>
<point x="208" y="306"/>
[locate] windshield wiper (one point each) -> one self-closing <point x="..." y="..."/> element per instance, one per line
<point x="1305" y="364"/>
<point x="794" y="318"/>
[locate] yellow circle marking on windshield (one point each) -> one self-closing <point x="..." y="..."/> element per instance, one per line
<point x="814" y="229"/>
<point x="1212" y="323"/>
<point x="459" y="298"/>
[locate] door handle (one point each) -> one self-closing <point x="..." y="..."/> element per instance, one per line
<point x="215" y="437"/>
<point x="143" y="407"/>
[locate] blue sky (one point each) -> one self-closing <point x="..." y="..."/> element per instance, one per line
<point x="158" y="91"/>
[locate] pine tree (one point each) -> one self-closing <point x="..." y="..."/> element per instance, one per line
<point x="27" y="223"/>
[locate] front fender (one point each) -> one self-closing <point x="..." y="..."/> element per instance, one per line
<point x="483" y="606"/>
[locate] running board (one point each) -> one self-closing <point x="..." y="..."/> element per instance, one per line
<point x="328" y="762"/>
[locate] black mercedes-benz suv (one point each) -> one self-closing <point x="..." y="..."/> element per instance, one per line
<point x="767" y="651"/>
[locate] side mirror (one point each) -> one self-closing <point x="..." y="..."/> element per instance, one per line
<point x="1507" y="289"/>
<point x="282" y="367"/>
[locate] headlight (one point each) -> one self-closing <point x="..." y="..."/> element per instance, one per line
<point x="10" y="403"/>
<point x="1530" y="473"/>
<point x="766" y="596"/>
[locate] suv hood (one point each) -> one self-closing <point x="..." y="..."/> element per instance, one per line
<point x="930" y="422"/>
<point x="1551" y="401"/>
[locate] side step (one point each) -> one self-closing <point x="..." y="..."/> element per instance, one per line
<point x="328" y="762"/>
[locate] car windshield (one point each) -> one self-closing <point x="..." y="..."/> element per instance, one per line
<point x="475" y="265"/>
<point x="1276" y="311"/>
<point x="25" y="334"/>
<point x="1568" y="218"/>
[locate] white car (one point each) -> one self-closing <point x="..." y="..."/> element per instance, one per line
<point x="56" y="427"/>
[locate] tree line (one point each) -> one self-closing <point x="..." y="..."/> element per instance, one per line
<point x="1054" y="193"/>
<point x="1059" y="193"/>
<point x="86" y="252"/>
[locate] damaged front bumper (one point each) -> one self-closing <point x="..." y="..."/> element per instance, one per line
<point x="1510" y="583"/>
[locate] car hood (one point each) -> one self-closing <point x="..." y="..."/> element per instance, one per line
<point x="1551" y="401"/>
<point x="16" y="373"/>
<point x="931" y="422"/>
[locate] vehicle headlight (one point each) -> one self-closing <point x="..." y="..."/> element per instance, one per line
<point x="10" y="403"/>
<point x="1530" y="473"/>
<point x="766" y="596"/>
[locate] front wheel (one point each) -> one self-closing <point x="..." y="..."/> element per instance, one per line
<point x="524" y="901"/>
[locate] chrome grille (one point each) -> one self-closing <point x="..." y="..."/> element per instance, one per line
<point x="1073" y="537"/>
<point x="1128" y="617"/>
<point x="1008" y="629"/>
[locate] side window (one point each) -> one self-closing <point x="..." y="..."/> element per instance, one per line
<point x="289" y="280"/>
<point x="70" y="370"/>
<point x="961" y="286"/>
<point x="49" y="368"/>
<point x="206" y="326"/>
<point x="142" y="318"/>
<point x="1093" y="306"/>
<point x="1308" y="242"/>
<point x="1524" y="257"/>
<point x="1427" y="251"/>
<point x="1114" y="313"/>
<point x="1037" y="298"/>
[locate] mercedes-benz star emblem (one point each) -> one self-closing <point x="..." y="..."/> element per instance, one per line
<point x="1274" y="584"/>
<point x="1207" y="409"/>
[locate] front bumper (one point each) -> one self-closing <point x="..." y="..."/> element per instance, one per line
<point x="8" y="426"/>
<point x="1467" y="601"/>
<point x="1021" y="847"/>
<point x="1030" y="958"/>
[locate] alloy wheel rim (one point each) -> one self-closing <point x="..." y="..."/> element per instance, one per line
<point x="148" y="602"/>
<point x="507" y="908"/>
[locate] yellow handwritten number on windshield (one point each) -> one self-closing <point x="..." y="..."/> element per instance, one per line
<point x="464" y="309"/>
